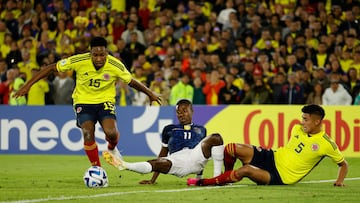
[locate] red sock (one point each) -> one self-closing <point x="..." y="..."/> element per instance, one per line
<point x="226" y="177"/>
<point x="92" y="153"/>
<point x="112" y="143"/>
<point x="229" y="156"/>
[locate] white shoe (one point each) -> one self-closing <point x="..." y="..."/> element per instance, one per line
<point x="116" y="153"/>
<point x="114" y="160"/>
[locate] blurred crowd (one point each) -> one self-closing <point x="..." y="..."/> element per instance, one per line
<point x="211" y="52"/>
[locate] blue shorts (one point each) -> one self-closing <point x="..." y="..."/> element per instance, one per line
<point x="264" y="159"/>
<point x="94" y="112"/>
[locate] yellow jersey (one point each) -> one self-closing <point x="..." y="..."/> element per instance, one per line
<point x="94" y="86"/>
<point x="302" y="153"/>
<point x="36" y="95"/>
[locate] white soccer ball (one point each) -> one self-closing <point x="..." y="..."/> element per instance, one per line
<point x="95" y="177"/>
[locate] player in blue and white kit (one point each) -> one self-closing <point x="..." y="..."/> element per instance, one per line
<point x="185" y="149"/>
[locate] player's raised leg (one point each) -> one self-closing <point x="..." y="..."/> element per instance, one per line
<point x="160" y="165"/>
<point x="113" y="160"/>
<point x="112" y="135"/>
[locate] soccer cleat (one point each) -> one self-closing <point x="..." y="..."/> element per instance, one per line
<point x="116" y="153"/>
<point x="193" y="181"/>
<point x="113" y="160"/>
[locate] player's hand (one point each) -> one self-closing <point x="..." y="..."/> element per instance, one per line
<point x="156" y="98"/>
<point x="339" y="184"/>
<point x="146" y="182"/>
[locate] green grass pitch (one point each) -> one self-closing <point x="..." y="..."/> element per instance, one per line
<point x="58" y="178"/>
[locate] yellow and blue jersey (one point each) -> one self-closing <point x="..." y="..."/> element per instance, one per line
<point x="94" y="86"/>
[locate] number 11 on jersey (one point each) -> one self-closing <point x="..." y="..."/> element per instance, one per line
<point x="187" y="135"/>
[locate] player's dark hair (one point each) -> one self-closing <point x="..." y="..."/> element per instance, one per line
<point x="184" y="101"/>
<point x="98" y="42"/>
<point x="314" y="109"/>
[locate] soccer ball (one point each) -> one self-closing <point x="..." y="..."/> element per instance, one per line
<point x="95" y="177"/>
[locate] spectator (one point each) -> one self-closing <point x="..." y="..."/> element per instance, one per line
<point x="3" y="70"/>
<point x="199" y="96"/>
<point x="169" y="35"/>
<point x="159" y="85"/>
<point x="166" y="68"/>
<point x="315" y="97"/>
<point x="134" y="47"/>
<point x="265" y="38"/>
<point x="104" y="32"/>
<point x="224" y="15"/>
<point x="212" y="87"/>
<point x="353" y="82"/>
<point x="14" y="55"/>
<point x="36" y="95"/>
<point x="292" y="92"/>
<point x="334" y="67"/>
<point x="276" y="84"/>
<point x="320" y="77"/>
<point x="138" y="73"/>
<point x="144" y="14"/>
<point x="357" y="99"/>
<point x="123" y="53"/>
<point x="229" y="94"/>
<point x="350" y="22"/>
<point x="140" y="98"/>
<point x="274" y="25"/>
<point x="63" y="88"/>
<point x="234" y="70"/>
<point x="292" y="65"/>
<point x="258" y="94"/>
<point x="305" y="82"/>
<point x="18" y="83"/>
<point x="131" y="28"/>
<point x="125" y="94"/>
<point x="346" y="60"/>
<point x="223" y="51"/>
<point x="336" y="94"/>
<point x="117" y="26"/>
<point x="320" y="59"/>
<point x="356" y="62"/>
<point x="5" y="86"/>
<point x="80" y="34"/>
<point x="27" y="65"/>
<point x="182" y="90"/>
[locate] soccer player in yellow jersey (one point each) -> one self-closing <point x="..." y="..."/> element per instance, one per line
<point x="94" y="93"/>
<point x="307" y="146"/>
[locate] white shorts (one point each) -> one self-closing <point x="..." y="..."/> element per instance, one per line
<point x="187" y="161"/>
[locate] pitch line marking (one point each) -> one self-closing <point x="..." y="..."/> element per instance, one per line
<point x="62" y="198"/>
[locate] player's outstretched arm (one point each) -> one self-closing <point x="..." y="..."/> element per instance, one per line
<point x="141" y="87"/>
<point x="41" y="74"/>
<point x="343" y="169"/>
<point x="163" y="152"/>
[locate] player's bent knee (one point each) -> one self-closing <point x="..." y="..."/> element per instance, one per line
<point x="216" y="139"/>
<point x="245" y="170"/>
